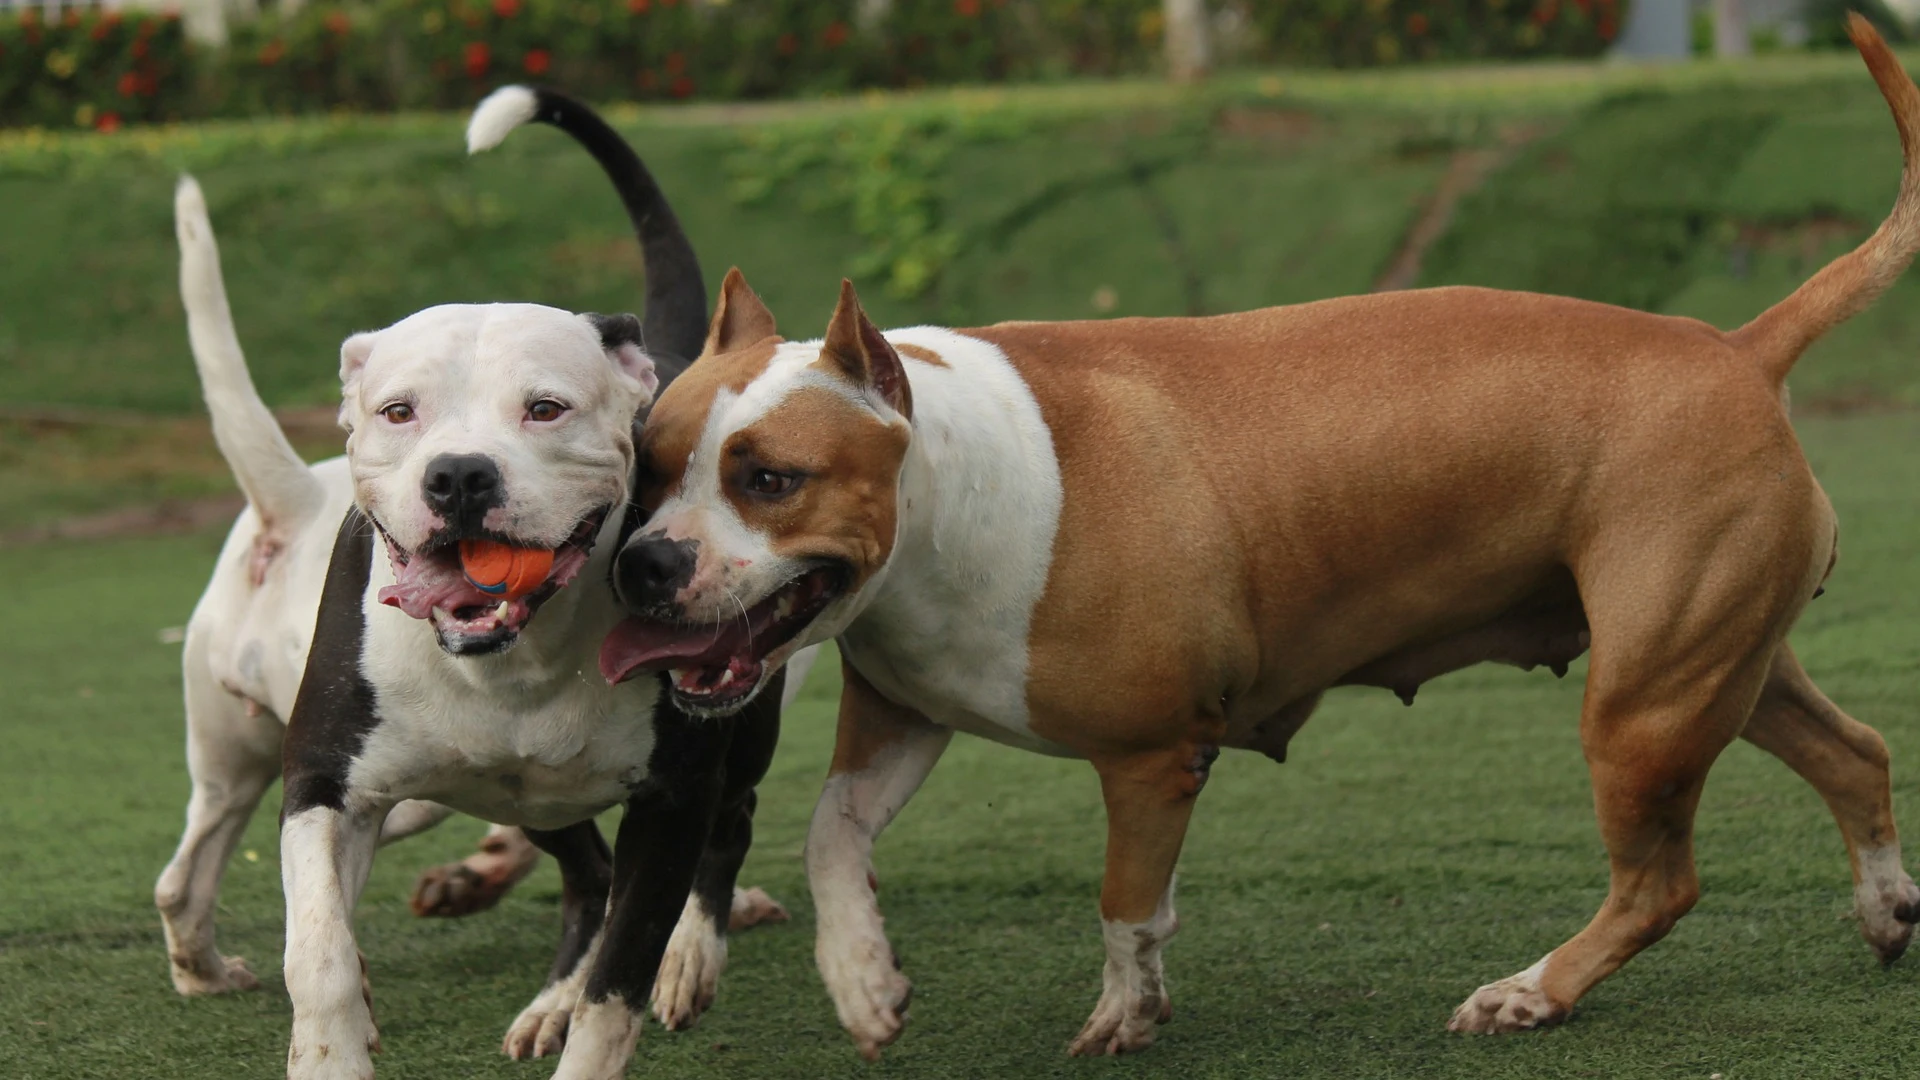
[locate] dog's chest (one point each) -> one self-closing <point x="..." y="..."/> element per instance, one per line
<point x="543" y="755"/>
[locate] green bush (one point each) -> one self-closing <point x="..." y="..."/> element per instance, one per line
<point x="410" y="54"/>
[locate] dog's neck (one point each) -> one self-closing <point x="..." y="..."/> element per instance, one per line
<point x="978" y="477"/>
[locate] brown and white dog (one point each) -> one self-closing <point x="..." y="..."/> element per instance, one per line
<point x="1139" y="541"/>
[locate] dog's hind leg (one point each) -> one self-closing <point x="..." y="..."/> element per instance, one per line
<point x="586" y="877"/>
<point x="477" y="882"/>
<point x="1846" y="762"/>
<point x="233" y="755"/>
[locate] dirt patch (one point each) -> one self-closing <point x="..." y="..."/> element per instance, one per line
<point x="1468" y="169"/>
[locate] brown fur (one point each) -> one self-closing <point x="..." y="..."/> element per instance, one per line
<point x="1380" y="489"/>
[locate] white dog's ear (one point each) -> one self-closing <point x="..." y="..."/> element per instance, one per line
<point x="620" y="336"/>
<point x="353" y="360"/>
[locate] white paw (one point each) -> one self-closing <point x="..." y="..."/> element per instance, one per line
<point x="1515" y="1003"/>
<point x="862" y="975"/>
<point x="690" y="972"/>
<point x="1122" y="1023"/>
<point x="751" y="907"/>
<point x="220" y="975"/>
<point x="1887" y="903"/>
<point x="341" y="1051"/>
<point x="541" y="1028"/>
<point x="602" y="1041"/>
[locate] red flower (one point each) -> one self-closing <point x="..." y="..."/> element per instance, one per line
<point x="966" y="9"/>
<point x="108" y="123"/>
<point x="676" y="63"/>
<point x="1544" y="14"/>
<point x="835" y="35"/>
<point x="338" y="22"/>
<point x="129" y="84"/>
<point x="639" y="7"/>
<point x="478" y="57"/>
<point x="104" y="26"/>
<point x="148" y="85"/>
<point x="536" y="61"/>
<point x="682" y="87"/>
<point x="71" y="19"/>
<point x="646" y="80"/>
<point x="145" y="29"/>
<point x="1607" y="28"/>
<point x="29" y="16"/>
<point x="506" y="9"/>
<point x="139" y="49"/>
<point x="787" y="45"/>
<point x="1417" y="24"/>
<point x="272" y="52"/>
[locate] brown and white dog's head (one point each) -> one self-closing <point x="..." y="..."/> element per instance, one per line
<point x="770" y="470"/>
<point x="506" y="422"/>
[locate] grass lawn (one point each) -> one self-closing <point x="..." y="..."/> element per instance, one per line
<point x="1335" y="908"/>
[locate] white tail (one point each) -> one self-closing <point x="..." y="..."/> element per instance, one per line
<point x="275" y="480"/>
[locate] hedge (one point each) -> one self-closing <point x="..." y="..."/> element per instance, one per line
<point x="104" y="70"/>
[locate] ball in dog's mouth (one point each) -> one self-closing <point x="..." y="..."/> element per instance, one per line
<point x="433" y="584"/>
<point x="713" y="667"/>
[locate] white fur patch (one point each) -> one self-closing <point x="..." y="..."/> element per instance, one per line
<point x="1515" y="1003"/>
<point x="946" y="627"/>
<point x="324" y="859"/>
<point x="541" y="1028"/>
<point x="690" y="972"/>
<point x="496" y="117"/>
<point x="1133" y="996"/>
<point x="601" y="1041"/>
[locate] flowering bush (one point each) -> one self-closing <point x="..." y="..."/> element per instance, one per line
<point x="104" y="70"/>
<point x="1350" y="33"/>
<point x="94" y="69"/>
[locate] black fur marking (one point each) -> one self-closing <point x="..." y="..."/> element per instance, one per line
<point x="335" y="708"/>
<point x="675" y="326"/>
<point x="1819" y="592"/>
<point x="616" y="330"/>
<point x="586" y="876"/>
<point x="664" y="835"/>
<point x="1405" y="692"/>
<point x="756" y="733"/>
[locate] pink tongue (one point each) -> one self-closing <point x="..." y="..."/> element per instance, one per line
<point x="422" y="585"/>
<point x="633" y="646"/>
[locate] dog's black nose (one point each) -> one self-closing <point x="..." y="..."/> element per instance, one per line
<point x="461" y="488"/>
<point x="651" y="569"/>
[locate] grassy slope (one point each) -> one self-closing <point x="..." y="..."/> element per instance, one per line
<point x="1336" y="908"/>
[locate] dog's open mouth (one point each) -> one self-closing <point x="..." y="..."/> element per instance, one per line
<point x="713" y="665"/>
<point x="432" y="584"/>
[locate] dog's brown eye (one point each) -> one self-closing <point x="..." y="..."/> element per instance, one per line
<point x="545" y="411"/>
<point x="398" y="413"/>
<point x="768" y="482"/>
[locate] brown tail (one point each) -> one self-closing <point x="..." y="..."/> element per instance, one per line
<point x="1849" y="284"/>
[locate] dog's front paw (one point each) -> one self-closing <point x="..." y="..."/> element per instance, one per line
<point x="690" y="972"/>
<point x="751" y="907"/>
<point x="1515" y="1003"/>
<point x="541" y="1028"/>
<point x="604" y="1033"/>
<point x="216" y="975"/>
<point x="863" y="976"/>
<point x="336" y="1051"/>
<point x="1122" y="1023"/>
<point x="1887" y="904"/>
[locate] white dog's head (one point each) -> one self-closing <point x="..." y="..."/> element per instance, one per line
<point x="506" y="422"/>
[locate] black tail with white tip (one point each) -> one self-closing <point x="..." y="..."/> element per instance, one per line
<point x="675" y="323"/>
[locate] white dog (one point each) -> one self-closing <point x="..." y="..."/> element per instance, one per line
<point x="510" y="422"/>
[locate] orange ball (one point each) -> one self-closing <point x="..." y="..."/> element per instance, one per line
<point x="502" y="569"/>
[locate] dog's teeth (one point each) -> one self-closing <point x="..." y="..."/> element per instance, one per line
<point x="441" y="614"/>
<point x="501" y="611"/>
<point x="726" y="677"/>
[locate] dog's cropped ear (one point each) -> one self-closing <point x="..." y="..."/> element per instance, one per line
<point x="857" y="349"/>
<point x="353" y="360"/>
<point x="739" y="319"/>
<point x="620" y="336"/>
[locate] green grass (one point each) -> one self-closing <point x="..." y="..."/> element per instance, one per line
<point x="1335" y="908"/>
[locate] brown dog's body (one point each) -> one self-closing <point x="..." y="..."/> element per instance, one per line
<point x="1240" y="512"/>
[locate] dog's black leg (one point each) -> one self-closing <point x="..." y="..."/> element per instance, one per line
<point x="586" y="878"/>
<point x="690" y="975"/>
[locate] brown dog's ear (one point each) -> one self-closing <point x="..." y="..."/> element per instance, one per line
<point x="739" y="319"/>
<point x="858" y="350"/>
